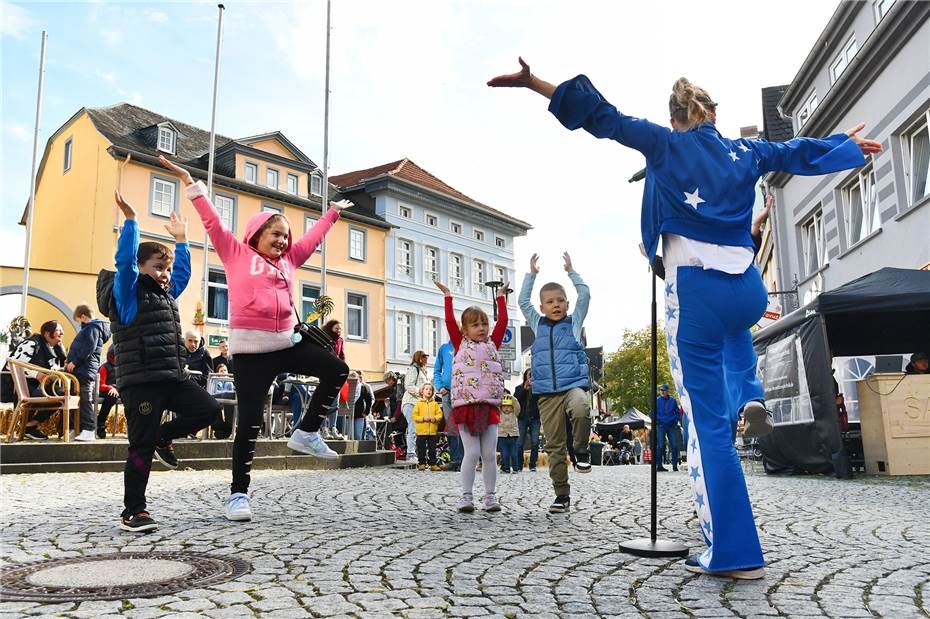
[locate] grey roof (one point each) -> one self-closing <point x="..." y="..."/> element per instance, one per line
<point x="774" y="127"/>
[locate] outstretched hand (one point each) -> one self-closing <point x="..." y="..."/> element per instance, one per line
<point x="520" y="79"/>
<point x="445" y="289"/>
<point x="502" y="291"/>
<point x="128" y="211"/>
<point x="177" y="228"/>
<point x="184" y="174"/>
<point x="341" y="205"/>
<point x="568" y="262"/>
<point x="868" y="147"/>
<point x="534" y="269"/>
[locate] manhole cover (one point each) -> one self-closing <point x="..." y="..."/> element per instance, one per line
<point x="116" y="576"/>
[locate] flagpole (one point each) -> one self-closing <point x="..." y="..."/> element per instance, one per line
<point x="324" y="190"/>
<point x="212" y="157"/>
<point x="30" y="211"/>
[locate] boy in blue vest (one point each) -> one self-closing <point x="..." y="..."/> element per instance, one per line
<point x="560" y="374"/>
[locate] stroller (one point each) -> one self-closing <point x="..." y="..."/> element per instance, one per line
<point x="626" y="451"/>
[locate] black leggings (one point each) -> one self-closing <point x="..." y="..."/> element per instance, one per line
<point x="254" y="375"/>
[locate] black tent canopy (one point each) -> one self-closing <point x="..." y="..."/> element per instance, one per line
<point x="884" y="312"/>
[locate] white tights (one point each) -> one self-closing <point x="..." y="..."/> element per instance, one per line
<point x="484" y="445"/>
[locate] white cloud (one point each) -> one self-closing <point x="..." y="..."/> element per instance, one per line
<point x="156" y="16"/>
<point x="15" y="21"/>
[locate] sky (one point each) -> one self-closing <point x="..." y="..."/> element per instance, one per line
<point x="408" y="80"/>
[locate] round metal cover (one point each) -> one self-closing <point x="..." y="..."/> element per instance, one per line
<point x="116" y="576"/>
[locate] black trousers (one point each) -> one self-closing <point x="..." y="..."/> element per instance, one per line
<point x="254" y="375"/>
<point x="426" y="448"/>
<point x="194" y="409"/>
<point x="106" y="405"/>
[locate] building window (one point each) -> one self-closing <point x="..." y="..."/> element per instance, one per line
<point x="813" y="243"/>
<point x="808" y="109"/>
<point x="166" y="139"/>
<point x="309" y="222"/>
<point x="860" y="207"/>
<point x="500" y="242"/>
<point x="842" y="61"/>
<point x="251" y="173"/>
<point x="308" y="294"/>
<point x="356" y="316"/>
<point x="456" y="279"/>
<point x="432" y="220"/>
<point x="404" y="333"/>
<point x="268" y="208"/>
<point x="500" y="274"/>
<point x="479" y="234"/>
<point x="405" y="258"/>
<point x="164" y="200"/>
<point x="226" y="207"/>
<point x="69" y="143"/>
<point x="357" y="244"/>
<point x="292" y="184"/>
<point x="405" y="212"/>
<point x="431" y="336"/>
<point x="455" y="227"/>
<point x="881" y="8"/>
<point x="478" y="287"/>
<point x="217" y="296"/>
<point x="916" y="143"/>
<point x="316" y="184"/>
<point x="431" y="263"/>
<point x="271" y="178"/>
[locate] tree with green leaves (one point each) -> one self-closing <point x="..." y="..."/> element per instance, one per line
<point x="628" y="373"/>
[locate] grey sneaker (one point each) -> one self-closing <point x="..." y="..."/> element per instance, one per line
<point x="757" y="420"/>
<point x="237" y="507"/>
<point x="312" y="444"/>
<point x="491" y="504"/>
<point x="467" y="504"/>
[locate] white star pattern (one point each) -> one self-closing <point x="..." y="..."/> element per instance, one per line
<point x="733" y="156"/>
<point x="694" y="198"/>
<point x="744" y="148"/>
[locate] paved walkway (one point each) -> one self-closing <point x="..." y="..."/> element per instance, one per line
<point x="388" y="543"/>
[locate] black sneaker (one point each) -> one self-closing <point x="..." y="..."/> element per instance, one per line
<point x="165" y="455"/>
<point x="101" y="433"/>
<point x="35" y="434"/>
<point x="560" y="505"/>
<point x="662" y="469"/>
<point x="138" y="523"/>
<point x="584" y="463"/>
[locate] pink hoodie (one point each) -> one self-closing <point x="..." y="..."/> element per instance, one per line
<point x="260" y="296"/>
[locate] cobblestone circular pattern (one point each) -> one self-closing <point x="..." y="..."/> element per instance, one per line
<point x="116" y="576"/>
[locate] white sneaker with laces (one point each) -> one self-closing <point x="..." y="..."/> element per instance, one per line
<point x="86" y="436"/>
<point x="312" y="444"/>
<point x="238" y="508"/>
<point x="491" y="504"/>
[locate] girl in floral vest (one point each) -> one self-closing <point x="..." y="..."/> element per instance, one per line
<point x="477" y="388"/>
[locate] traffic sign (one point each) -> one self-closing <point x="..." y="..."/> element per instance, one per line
<point x="508" y="335"/>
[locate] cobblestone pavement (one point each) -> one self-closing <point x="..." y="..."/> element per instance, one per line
<point x="389" y="543"/>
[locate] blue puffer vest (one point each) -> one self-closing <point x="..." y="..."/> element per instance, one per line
<point x="559" y="361"/>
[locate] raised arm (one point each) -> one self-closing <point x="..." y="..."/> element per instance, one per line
<point x="523" y="79"/>
<point x="526" y="292"/>
<point x="581" y="288"/>
<point x="452" y="325"/>
<point x="302" y="250"/>
<point x="497" y="336"/>
<point x="812" y="156"/>
<point x="127" y="268"/>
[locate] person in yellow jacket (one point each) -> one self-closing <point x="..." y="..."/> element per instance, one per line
<point x="508" y="434"/>
<point x="427" y="413"/>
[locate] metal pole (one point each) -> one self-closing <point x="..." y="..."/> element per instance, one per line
<point x="324" y="190"/>
<point x="211" y="158"/>
<point x="654" y="383"/>
<point x="30" y="211"/>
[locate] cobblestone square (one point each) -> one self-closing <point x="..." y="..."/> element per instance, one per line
<point x="389" y="543"/>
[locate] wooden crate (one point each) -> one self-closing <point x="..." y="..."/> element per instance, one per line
<point x="895" y="414"/>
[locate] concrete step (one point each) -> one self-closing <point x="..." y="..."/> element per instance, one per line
<point x="110" y="455"/>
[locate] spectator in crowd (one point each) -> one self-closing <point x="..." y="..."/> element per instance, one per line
<point x="667" y="419"/>
<point x="508" y="431"/>
<point x="223" y="390"/>
<point x="527" y="420"/>
<point x="108" y="392"/>
<point x="759" y="220"/>
<point x="442" y="379"/>
<point x="427" y="415"/>
<point x="45" y="350"/>
<point x="920" y="364"/>
<point x="224" y="358"/>
<point x="415" y="378"/>
<point x="638" y="450"/>
<point x="83" y="361"/>
<point x="330" y="429"/>
<point x="626" y="434"/>
<point x="386" y="406"/>
<point x="364" y="398"/>
<point x="198" y="359"/>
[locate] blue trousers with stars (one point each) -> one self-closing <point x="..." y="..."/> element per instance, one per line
<point x="708" y="316"/>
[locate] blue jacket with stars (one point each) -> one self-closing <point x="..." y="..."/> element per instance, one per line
<point x="699" y="184"/>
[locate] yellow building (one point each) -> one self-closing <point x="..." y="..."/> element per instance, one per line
<point x="76" y="221"/>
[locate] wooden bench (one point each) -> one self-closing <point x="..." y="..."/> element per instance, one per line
<point x="28" y="405"/>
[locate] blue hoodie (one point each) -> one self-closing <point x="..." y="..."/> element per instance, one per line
<point x="442" y="371"/>
<point x="86" y="348"/>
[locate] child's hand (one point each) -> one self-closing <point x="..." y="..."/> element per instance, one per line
<point x="126" y="207"/>
<point x="341" y="205"/>
<point x="113" y="392"/>
<point x="177" y="228"/>
<point x="502" y="291"/>
<point x="69" y="367"/>
<point x="445" y="290"/>
<point x="568" y="262"/>
<point x="533" y="268"/>
<point x="184" y="174"/>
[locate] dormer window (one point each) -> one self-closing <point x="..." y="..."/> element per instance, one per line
<point x="316" y="184"/>
<point x="167" y="139"/>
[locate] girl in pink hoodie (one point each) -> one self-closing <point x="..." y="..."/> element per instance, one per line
<point x="262" y="322"/>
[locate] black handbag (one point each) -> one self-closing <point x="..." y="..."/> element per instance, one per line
<point x="311" y="333"/>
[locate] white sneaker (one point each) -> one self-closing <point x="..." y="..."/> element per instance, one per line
<point x="86" y="436"/>
<point x="312" y="444"/>
<point x="757" y="420"/>
<point x="237" y="507"/>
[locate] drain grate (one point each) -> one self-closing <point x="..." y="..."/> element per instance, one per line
<point x="116" y="576"/>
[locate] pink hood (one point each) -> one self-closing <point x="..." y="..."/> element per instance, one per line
<point x="258" y="220"/>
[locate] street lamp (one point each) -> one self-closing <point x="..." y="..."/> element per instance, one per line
<point x="494" y="286"/>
